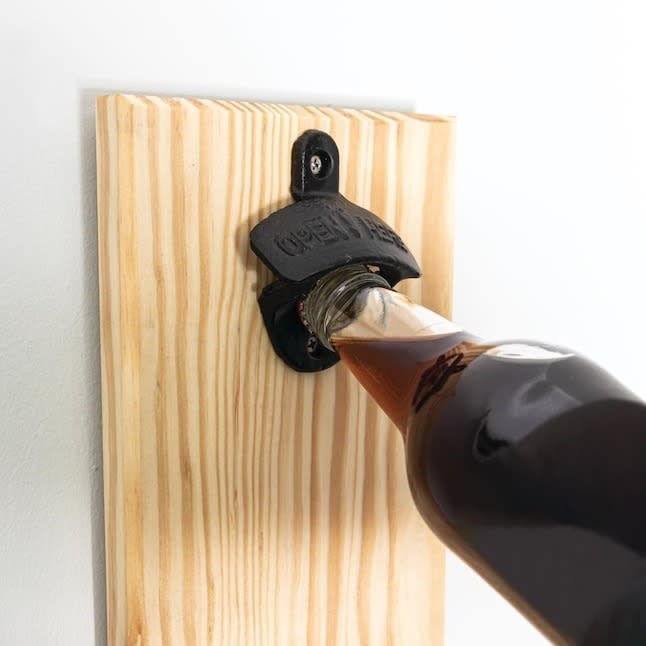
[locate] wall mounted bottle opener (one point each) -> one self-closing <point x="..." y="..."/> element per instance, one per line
<point x="321" y="231"/>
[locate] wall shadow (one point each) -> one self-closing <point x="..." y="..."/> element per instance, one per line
<point x="87" y="156"/>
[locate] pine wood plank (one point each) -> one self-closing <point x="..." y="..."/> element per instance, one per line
<point x="246" y="504"/>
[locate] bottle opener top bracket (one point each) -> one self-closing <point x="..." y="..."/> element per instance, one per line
<point x="320" y="232"/>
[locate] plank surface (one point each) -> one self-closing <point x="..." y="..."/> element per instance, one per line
<point x="247" y="504"/>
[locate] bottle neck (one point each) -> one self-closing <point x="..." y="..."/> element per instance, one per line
<point x="353" y="303"/>
<point x="338" y="299"/>
<point x="355" y="312"/>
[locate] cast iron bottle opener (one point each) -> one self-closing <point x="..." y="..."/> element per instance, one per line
<point x="321" y="231"/>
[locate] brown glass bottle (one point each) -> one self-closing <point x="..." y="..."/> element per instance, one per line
<point x="527" y="460"/>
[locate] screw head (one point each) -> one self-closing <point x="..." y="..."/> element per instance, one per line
<point x="312" y="345"/>
<point x="316" y="164"/>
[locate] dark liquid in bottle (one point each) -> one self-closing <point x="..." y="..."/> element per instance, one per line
<point x="530" y="462"/>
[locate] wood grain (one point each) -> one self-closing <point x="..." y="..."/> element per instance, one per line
<point x="247" y="504"/>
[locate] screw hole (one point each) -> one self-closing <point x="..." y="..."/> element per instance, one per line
<point x="320" y="164"/>
<point x="313" y="346"/>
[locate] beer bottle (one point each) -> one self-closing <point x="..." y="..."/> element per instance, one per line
<point x="526" y="459"/>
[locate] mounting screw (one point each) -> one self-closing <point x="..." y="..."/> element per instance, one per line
<point x="316" y="164"/>
<point x="312" y="345"/>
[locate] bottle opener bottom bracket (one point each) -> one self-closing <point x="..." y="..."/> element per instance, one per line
<point x="292" y="340"/>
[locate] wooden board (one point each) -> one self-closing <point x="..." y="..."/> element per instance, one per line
<point x="247" y="504"/>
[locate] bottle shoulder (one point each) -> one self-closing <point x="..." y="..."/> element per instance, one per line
<point x="523" y="418"/>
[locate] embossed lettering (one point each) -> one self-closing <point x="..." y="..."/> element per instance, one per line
<point x="371" y="228"/>
<point x="344" y="225"/>
<point x="384" y="233"/>
<point x="331" y="228"/>
<point x="305" y="236"/>
<point x="322" y="231"/>
<point x="290" y="245"/>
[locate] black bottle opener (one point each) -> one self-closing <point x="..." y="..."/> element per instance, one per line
<point x="320" y="232"/>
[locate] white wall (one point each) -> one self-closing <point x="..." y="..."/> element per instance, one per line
<point x="551" y="212"/>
